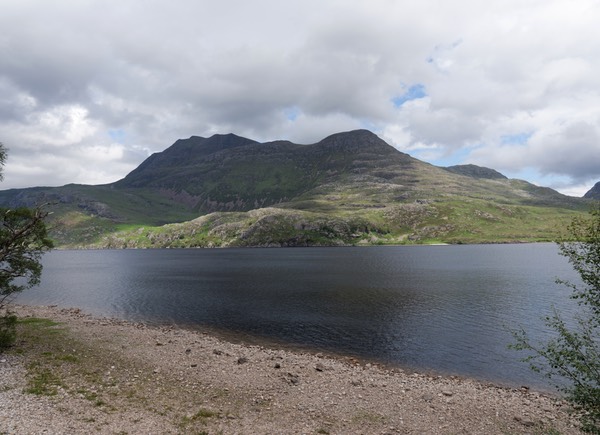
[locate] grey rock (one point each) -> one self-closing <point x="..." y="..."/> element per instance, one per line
<point x="293" y="379"/>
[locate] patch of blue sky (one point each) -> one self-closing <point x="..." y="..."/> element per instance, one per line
<point x="291" y="113"/>
<point x="534" y="176"/>
<point x="515" y="139"/>
<point x="458" y="157"/>
<point x="117" y="135"/>
<point x="370" y="125"/>
<point x="528" y="174"/>
<point x="413" y="93"/>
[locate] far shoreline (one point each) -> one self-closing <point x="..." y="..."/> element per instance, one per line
<point x="386" y="245"/>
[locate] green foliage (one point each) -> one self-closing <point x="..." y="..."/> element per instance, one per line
<point x="584" y="254"/>
<point x="574" y="354"/>
<point x="23" y="239"/>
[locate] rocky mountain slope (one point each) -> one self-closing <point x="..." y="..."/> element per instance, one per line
<point x="594" y="192"/>
<point x="349" y="188"/>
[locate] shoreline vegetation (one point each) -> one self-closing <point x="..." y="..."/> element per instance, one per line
<point x="389" y="245"/>
<point x="70" y="372"/>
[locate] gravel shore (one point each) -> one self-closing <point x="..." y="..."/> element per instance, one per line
<point x="79" y="374"/>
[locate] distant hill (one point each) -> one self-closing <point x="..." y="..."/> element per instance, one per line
<point x="594" y="192"/>
<point x="351" y="188"/>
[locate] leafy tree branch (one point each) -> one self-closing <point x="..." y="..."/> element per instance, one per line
<point x="23" y="240"/>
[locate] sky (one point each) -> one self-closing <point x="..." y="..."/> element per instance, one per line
<point x="91" y="88"/>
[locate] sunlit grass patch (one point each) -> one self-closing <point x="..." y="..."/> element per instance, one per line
<point x="37" y="322"/>
<point x="42" y="381"/>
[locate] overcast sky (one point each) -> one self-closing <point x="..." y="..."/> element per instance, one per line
<point x="88" y="89"/>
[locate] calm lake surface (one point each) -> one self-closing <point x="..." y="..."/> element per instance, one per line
<point x="441" y="308"/>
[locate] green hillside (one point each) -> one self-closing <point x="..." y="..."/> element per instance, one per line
<point x="350" y="188"/>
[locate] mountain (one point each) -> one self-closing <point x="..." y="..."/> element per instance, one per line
<point x="594" y="192"/>
<point x="349" y="188"/>
<point x="230" y="173"/>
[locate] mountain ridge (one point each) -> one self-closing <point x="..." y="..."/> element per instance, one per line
<point x="188" y="170"/>
<point x="349" y="188"/>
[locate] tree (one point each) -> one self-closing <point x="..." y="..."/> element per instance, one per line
<point x="23" y="240"/>
<point x="574" y="353"/>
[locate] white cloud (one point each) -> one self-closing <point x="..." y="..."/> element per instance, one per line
<point x="83" y="75"/>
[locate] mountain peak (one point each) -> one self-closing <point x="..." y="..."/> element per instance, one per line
<point x="356" y="140"/>
<point x="229" y="139"/>
<point x="351" y="136"/>
<point x="183" y="152"/>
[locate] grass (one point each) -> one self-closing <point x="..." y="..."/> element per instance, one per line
<point x="37" y="323"/>
<point x="371" y="214"/>
<point x="36" y="333"/>
<point x="61" y="365"/>
<point x="42" y="381"/>
<point x="450" y="222"/>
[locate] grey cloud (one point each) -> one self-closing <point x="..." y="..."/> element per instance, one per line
<point x="574" y="151"/>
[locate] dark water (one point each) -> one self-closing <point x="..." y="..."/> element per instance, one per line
<point x="439" y="308"/>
